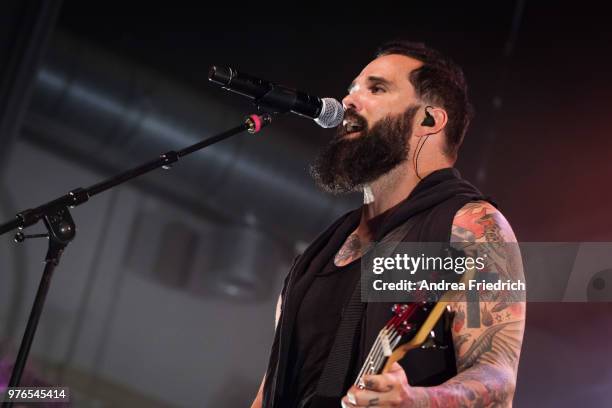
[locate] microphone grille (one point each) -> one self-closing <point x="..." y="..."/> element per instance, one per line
<point x="331" y="114"/>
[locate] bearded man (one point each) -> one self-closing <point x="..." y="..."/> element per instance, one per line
<point x="406" y="116"/>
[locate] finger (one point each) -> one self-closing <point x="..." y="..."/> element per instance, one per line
<point x="367" y="398"/>
<point x="395" y="367"/>
<point x="380" y="382"/>
<point x="345" y="403"/>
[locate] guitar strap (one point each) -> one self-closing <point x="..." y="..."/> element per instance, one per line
<point x="345" y="345"/>
<point x="334" y="376"/>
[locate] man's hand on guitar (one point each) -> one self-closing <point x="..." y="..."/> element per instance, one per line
<point x="385" y="390"/>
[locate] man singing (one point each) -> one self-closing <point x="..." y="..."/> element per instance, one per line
<point x="406" y="115"/>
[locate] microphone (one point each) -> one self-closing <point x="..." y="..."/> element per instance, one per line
<point x="326" y="112"/>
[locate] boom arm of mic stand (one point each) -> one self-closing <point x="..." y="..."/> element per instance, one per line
<point x="26" y="218"/>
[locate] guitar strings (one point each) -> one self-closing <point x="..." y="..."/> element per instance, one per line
<point x="375" y="351"/>
<point x="379" y="358"/>
<point x="376" y="357"/>
<point x="368" y="360"/>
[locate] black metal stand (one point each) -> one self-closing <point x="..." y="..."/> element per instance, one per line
<point x="62" y="230"/>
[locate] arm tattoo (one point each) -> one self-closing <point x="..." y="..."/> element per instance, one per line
<point x="487" y="335"/>
<point x="461" y="339"/>
<point x="484" y="349"/>
<point x="483" y="385"/>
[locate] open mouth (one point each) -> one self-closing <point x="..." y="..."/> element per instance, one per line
<point x="352" y="126"/>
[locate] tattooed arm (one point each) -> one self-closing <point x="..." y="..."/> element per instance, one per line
<point x="487" y="334"/>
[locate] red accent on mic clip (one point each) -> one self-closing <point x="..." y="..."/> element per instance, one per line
<point x="257" y="121"/>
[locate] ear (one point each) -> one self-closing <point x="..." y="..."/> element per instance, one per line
<point x="440" y="118"/>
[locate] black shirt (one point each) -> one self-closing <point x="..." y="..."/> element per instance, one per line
<point x="317" y="323"/>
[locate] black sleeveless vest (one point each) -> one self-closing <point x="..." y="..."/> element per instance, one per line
<point x="425" y="216"/>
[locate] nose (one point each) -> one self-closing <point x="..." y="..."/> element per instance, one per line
<point x="351" y="101"/>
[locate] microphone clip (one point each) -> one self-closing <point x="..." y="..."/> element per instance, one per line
<point x="276" y="101"/>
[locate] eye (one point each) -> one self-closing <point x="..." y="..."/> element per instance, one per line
<point x="376" y="89"/>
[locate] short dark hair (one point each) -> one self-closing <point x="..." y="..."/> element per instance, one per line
<point x="441" y="82"/>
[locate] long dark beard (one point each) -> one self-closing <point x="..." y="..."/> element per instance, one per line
<point x="346" y="165"/>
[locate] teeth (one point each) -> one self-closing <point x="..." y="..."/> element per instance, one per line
<point x="350" y="125"/>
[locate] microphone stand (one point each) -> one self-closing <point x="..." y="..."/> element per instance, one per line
<point x="62" y="229"/>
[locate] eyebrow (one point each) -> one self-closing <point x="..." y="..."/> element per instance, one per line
<point x="373" y="80"/>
